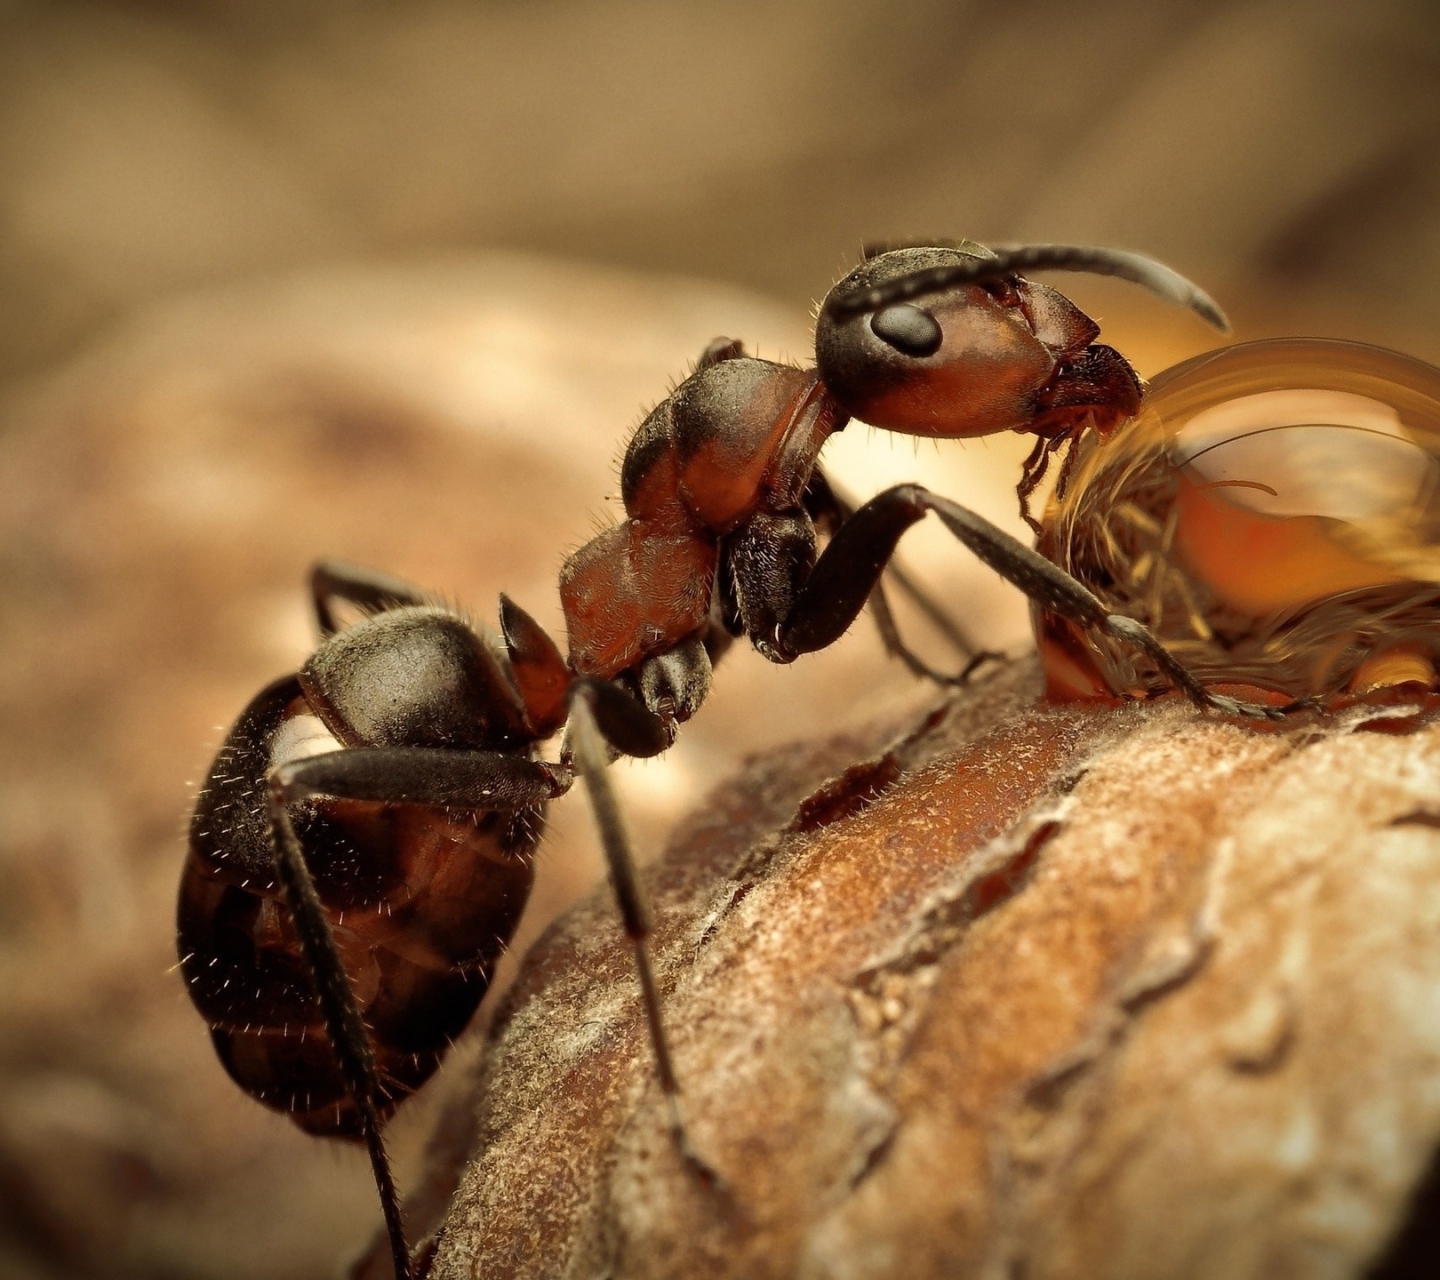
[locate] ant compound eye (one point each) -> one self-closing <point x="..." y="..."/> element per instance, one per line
<point x="1273" y="515"/>
<point x="908" y="329"/>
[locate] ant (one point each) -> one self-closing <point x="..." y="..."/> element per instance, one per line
<point x="362" y="849"/>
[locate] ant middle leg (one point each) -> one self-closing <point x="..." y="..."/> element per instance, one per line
<point x="830" y="509"/>
<point x="825" y="600"/>
<point x="890" y="638"/>
<point x="469" y="780"/>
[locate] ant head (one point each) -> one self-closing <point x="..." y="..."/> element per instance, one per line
<point x="953" y="341"/>
<point x="954" y="361"/>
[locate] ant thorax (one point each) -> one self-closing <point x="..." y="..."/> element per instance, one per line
<point x="1273" y="515"/>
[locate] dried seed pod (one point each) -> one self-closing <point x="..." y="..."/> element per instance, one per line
<point x="1012" y="989"/>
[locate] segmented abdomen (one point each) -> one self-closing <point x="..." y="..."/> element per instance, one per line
<point x="422" y="903"/>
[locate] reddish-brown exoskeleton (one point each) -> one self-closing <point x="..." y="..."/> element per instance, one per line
<point x="360" y="852"/>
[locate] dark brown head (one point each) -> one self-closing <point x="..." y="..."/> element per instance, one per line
<point x="954" y="341"/>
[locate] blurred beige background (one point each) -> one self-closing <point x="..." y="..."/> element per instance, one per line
<point x="391" y="281"/>
<point x="1289" y="148"/>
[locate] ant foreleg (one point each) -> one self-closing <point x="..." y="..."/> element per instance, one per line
<point x="1032" y="476"/>
<point x="834" y="592"/>
<point x="598" y="715"/>
<point x="830" y="508"/>
<point x="367" y="589"/>
<point x="471" y="780"/>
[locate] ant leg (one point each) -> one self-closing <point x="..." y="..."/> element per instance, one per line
<point x="350" y="1044"/>
<point x="959" y="640"/>
<point x="624" y="723"/>
<point x="369" y="590"/>
<point x="830" y="509"/>
<point x="836" y="589"/>
<point x="673" y="684"/>
<point x="879" y="608"/>
<point x="477" y="780"/>
<point x="1032" y="475"/>
<point x="590" y="709"/>
<point x="718" y="349"/>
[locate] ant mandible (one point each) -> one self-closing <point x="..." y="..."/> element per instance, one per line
<point x="361" y="851"/>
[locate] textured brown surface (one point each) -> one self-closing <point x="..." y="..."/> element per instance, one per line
<point x="1128" y="993"/>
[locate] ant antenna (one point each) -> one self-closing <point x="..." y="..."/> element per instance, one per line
<point x="1092" y="259"/>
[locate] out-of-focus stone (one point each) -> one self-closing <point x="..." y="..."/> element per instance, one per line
<point x="1081" y="993"/>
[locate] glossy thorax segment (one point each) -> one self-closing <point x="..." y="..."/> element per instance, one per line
<point x="737" y="438"/>
<point x="738" y="441"/>
<point x="1274" y="515"/>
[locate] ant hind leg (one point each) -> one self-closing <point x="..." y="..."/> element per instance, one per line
<point x="348" y="1039"/>
<point x="367" y="589"/>
<point x="599" y="719"/>
<point x="476" y="780"/>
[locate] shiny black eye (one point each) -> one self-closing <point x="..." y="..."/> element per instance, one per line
<point x="908" y="329"/>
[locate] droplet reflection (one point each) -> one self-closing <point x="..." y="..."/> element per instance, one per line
<point x="1273" y="514"/>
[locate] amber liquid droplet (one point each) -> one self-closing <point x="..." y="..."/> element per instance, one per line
<point x="1273" y="513"/>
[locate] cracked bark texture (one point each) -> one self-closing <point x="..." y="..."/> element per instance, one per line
<point x="1001" y="990"/>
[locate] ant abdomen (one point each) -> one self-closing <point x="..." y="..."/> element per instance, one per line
<point x="421" y="898"/>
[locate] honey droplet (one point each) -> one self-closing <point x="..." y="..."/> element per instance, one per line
<point x="1273" y="514"/>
